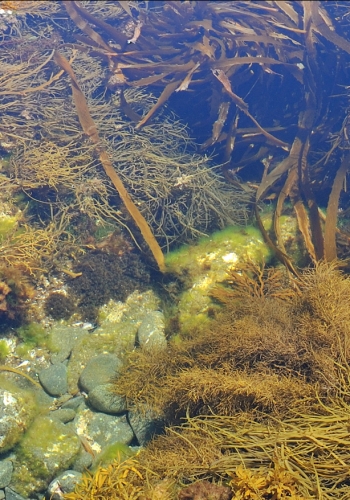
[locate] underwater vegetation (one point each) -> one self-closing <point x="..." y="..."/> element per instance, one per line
<point x="59" y="306"/>
<point x="15" y="290"/>
<point x="123" y="64"/>
<point x="102" y="275"/>
<point x="221" y="58"/>
<point x="256" y="403"/>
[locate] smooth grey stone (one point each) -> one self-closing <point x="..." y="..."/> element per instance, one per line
<point x="105" y="429"/>
<point x="54" y="379"/>
<point x="83" y="462"/>
<point x="145" y="425"/>
<point x="64" y="415"/>
<point x="2" y="494"/>
<point x="64" y="483"/>
<point x="73" y="403"/>
<point x="150" y="333"/>
<point x="12" y="495"/>
<point x="101" y="398"/>
<point x="6" y="468"/>
<point x="99" y="371"/>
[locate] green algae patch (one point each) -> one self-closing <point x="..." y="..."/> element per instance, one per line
<point x="33" y="335"/>
<point x="4" y="349"/>
<point x="116" y="451"/>
<point x="48" y="448"/>
<point x="17" y="410"/>
<point x="204" y="264"/>
<point x="222" y="247"/>
<point x="8" y="224"/>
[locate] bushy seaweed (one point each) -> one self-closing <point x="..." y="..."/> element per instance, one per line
<point x="264" y="394"/>
<point x="59" y="306"/>
<point x="106" y="276"/>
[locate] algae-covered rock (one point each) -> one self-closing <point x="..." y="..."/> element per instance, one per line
<point x="99" y="370"/>
<point x="101" y="430"/>
<point x="62" y="340"/>
<point x="151" y="335"/>
<point x="116" y="334"/>
<point x="206" y="263"/>
<point x="17" y="411"/>
<point x="47" y="449"/>
<point x="120" y="340"/>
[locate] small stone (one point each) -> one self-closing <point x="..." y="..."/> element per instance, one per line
<point x="6" y="468"/>
<point x="99" y="371"/>
<point x="83" y="462"/>
<point x="63" y="338"/>
<point x="101" y="398"/>
<point x="151" y="334"/>
<point x="12" y="495"/>
<point x="54" y="379"/>
<point x="145" y="424"/>
<point x="64" y="415"/>
<point x="102" y="430"/>
<point x="64" y="483"/>
<point x="73" y="403"/>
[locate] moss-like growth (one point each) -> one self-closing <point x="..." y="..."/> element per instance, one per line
<point x="33" y="335"/>
<point x="4" y="349"/>
<point x="59" y="306"/>
<point x="15" y="290"/>
<point x="115" y="451"/>
<point x="229" y="245"/>
<point x="106" y="276"/>
<point x="7" y="225"/>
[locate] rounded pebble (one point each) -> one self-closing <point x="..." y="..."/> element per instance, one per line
<point x="54" y="379"/>
<point x="101" y="398"/>
<point x="6" y="468"/>
<point x="99" y="371"/>
<point x="64" y="483"/>
<point x="151" y="334"/>
<point x="64" y="415"/>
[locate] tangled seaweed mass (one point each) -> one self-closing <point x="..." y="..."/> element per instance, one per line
<point x="94" y="104"/>
<point x="216" y="57"/>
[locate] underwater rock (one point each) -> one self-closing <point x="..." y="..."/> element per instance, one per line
<point x="63" y="415"/>
<point x="150" y="333"/>
<point x="17" y="410"/>
<point x="119" y="340"/>
<point x="99" y="371"/>
<point x="101" y="398"/>
<point x="102" y="430"/>
<point x="12" y="495"/>
<point x="145" y="423"/>
<point x="6" y="469"/>
<point x="73" y="403"/>
<point x="62" y="340"/>
<point x="82" y="462"/>
<point x="48" y="448"/>
<point x="64" y="483"/>
<point x="206" y="263"/>
<point x="54" y="379"/>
